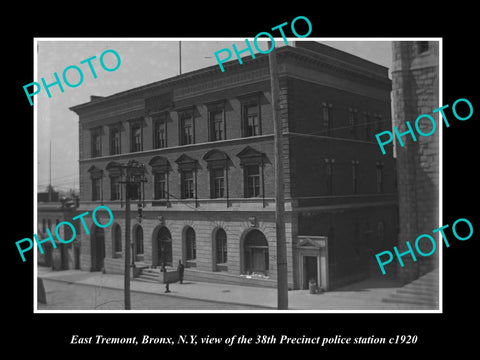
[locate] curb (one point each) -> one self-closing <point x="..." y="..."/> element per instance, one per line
<point x="163" y="294"/>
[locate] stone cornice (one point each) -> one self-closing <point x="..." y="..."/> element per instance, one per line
<point x="334" y="67"/>
<point x="211" y="78"/>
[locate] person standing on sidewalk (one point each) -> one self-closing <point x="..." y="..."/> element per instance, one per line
<point x="180" y="269"/>
<point x="167" y="284"/>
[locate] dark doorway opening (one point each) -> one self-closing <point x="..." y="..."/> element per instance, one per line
<point x="310" y="270"/>
<point x="164" y="247"/>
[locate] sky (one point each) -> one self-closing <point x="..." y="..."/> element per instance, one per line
<point x="143" y="61"/>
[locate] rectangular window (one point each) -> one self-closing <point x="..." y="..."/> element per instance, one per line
<point x="160" y="134"/>
<point x="367" y="126"/>
<point x="114" y="188"/>
<point x="217" y="183"/>
<point x="187" y="185"/>
<point x="217" y="126"/>
<point x="186" y="131"/>
<point x="352" y="122"/>
<point x="160" y="186"/>
<point x="252" y="181"/>
<point x="329" y="177"/>
<point x="115" y="141"/>
<point x="251" y="120"/>
<point x="355" y="178"/>
<point x="96" y="189"/>
<point x="136" y="138"/>
<point x="327" y="119"/>
<point x="96" y="143"/>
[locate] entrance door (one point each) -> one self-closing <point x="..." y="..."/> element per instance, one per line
<point x="164" y="247"/>
<point x="310" y="270"/>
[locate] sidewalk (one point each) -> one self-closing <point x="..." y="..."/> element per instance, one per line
<point x="364" y="295"/>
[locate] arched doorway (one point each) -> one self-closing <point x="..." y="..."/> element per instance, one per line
<point x="97" y="243"/>
<point x="162" y="247"/>
<point x="255" y="249"/>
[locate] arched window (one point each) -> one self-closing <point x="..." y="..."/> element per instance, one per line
<point x="256" y="253"/>
<point x="139" y="243"/>
<point x="191" y="246"/>
<point x="221" y="246"/>
<point x="117" y="241"/>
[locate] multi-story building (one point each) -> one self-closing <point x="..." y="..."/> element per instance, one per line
<point x="206" y="138"/>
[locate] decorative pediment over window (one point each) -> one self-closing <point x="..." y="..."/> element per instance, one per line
<point x="216" y="158"/>
<point x="159" y="164"/>
<point x="250" y="156"/>
<point x="114" y="168"/>
<point x="316" y="242"/>
<point x="95" y="172"/>
<point x="185" y="162"/>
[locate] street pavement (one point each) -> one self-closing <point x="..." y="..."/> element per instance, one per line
<point x="74" y="296"/>
<point x="365" y="295"/>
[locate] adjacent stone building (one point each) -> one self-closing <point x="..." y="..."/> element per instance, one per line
<point x="49" y="215"/>
<point x="206" y="138"/>
<point x="415" y="87"/>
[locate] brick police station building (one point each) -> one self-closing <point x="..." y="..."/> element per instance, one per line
<point x="206" y="140"/>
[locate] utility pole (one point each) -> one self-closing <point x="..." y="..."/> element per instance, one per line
<point x="127" y="248"/>
<point x="282" y="281"/>
<point x="133" y="174"/>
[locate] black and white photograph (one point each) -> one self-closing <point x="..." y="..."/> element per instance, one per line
<point x="183" y="173"/>
<point x="291" y="183"/>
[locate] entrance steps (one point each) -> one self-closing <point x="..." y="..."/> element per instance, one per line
<point x="422" y="291"/>
<point x="152" y="275"/>
<point x="149" y="275"/>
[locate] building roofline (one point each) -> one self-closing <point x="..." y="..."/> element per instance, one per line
<point x="325" y="55"/>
